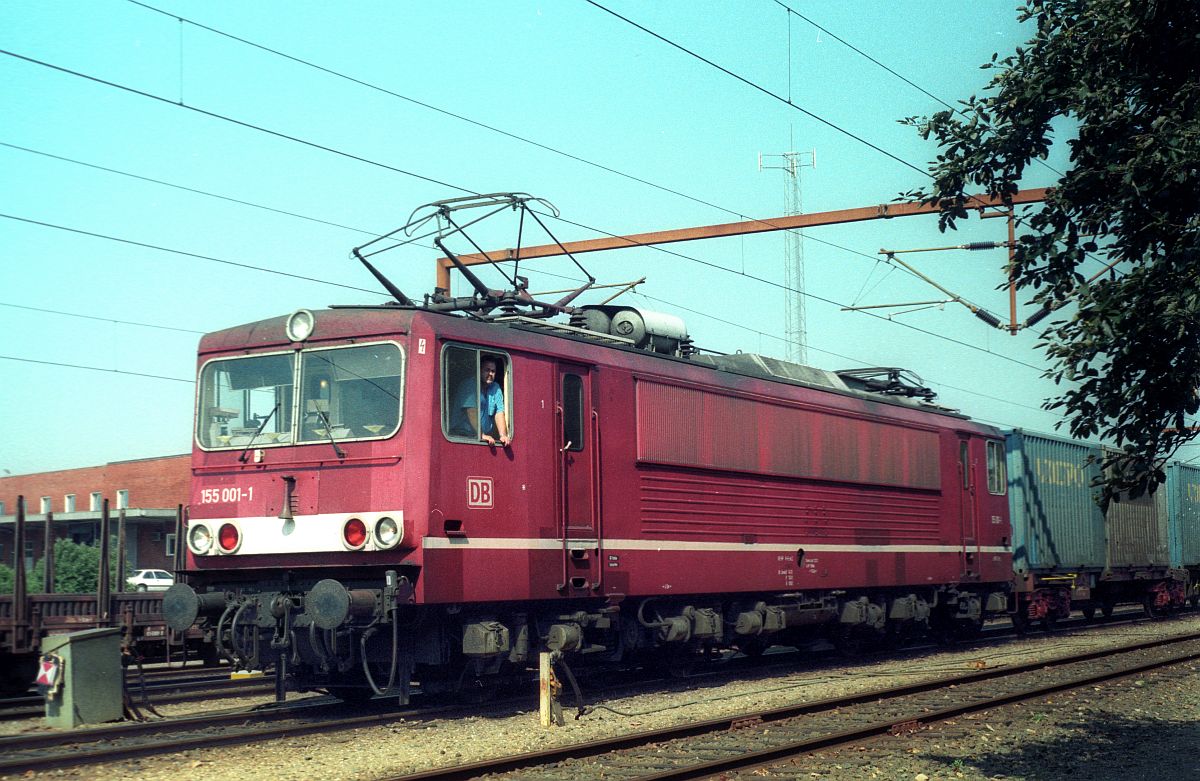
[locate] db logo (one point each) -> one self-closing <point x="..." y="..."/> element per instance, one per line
<point x="479" y="493"/>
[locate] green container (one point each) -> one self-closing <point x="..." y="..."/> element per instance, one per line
<point x="92" y="677"/>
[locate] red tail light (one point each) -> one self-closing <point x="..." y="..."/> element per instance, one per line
<point x="354" y="533"/>
<point x="228" y="537"/>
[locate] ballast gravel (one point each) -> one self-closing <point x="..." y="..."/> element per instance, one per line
<point x="1148" y="726"/>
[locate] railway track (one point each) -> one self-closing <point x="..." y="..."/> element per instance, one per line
<point x="43" y="751"/>
<point x="159" y="692"/>
<point x="325" y="715"/>
<point x="173" y="685"/>
<point x="759" y="739"/>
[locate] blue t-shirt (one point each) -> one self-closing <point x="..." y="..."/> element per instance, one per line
<point x="491" y="402"/>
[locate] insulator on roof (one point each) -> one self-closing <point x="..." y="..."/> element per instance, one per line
<point x="1038" y="316"/>
<point x="988" y="317"/>
<point x="985" y="245"/>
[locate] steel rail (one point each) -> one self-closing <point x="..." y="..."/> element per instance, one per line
<point x="596" y="748"/>
<point x="905" y="724"/>
<point x="159" y="692"/>
<point x="76" y="756"/>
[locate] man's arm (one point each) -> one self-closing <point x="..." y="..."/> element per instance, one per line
<point x="502" y="428"/>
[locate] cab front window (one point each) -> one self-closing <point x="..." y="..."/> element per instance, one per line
<point x="350" y="392"/>
<point x="239" y="396"/>
<point x="301" y="398"/>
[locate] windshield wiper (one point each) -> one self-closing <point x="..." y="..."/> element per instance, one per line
<point x="261" y="426"/>
<point x="329" y="434"/>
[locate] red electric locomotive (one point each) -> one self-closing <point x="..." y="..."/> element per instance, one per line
<point x="397" y="493"/>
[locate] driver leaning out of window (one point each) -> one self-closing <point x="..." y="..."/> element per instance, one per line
<point x="481" y="409"/>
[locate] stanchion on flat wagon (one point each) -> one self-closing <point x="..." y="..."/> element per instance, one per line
<point x="103" y="591"/>
<point x="120" y="578"/>
<point x="48" y="556"/>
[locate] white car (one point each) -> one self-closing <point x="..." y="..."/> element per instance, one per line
<point x="150" y="580"/>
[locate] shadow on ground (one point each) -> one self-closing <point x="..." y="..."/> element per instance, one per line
<point x="1103" y="748"/>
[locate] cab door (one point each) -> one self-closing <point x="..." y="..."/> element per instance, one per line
<point x="577" y="480"/>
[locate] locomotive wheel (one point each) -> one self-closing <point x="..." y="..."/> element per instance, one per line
<point x="1106" y="608"/>
<point x="1049" y="623"/>
<point x="1089" y="612"/>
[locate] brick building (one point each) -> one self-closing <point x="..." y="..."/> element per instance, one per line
<point x="149" y="490"/>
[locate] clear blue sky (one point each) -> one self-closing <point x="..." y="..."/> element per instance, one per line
<point x="564" y="74"/>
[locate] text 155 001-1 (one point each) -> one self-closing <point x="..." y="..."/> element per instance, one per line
<point x="225" y="495"/>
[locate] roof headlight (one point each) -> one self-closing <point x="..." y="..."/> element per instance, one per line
<point x="300" y="325"/>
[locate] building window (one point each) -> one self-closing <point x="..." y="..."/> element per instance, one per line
<point x="45" y="505"/>
<point x="462" y="378"/>
<point x="170" y="545"/>
<point x="123" y="499"/>
<point x="2" y="509"/>
<point x="69" y="503"/>
<point x="997" y="469"/>
<point x="95" y="502"/>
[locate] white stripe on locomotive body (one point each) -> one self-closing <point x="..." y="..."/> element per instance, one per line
<point x="320" y="533"/>
<point x="517" y="543"/>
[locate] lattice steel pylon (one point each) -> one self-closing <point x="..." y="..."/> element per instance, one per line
<point x="795" y="329"/>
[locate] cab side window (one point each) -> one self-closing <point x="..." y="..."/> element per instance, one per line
<point x="997" y="469"/>
<point x="476" y="387"/>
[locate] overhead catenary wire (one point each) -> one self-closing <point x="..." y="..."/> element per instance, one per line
<point x="101" y="319"/>
<point x="363" y="231"/>
<point x="423" y="104"/>
<point x="491" y="128"/>
<point x="793" y="12"/>
<point x="402" y="171"/>
<point x="196" y="191"/>
<point x="646" y="296"/>
<point x="675" y="305"/>
<point x="755" y="85"/>
<point x="185" y="253"/>
<point x="232" y="120"/>
<point x="96" y="369"/>
<point x="507" y="133"/>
